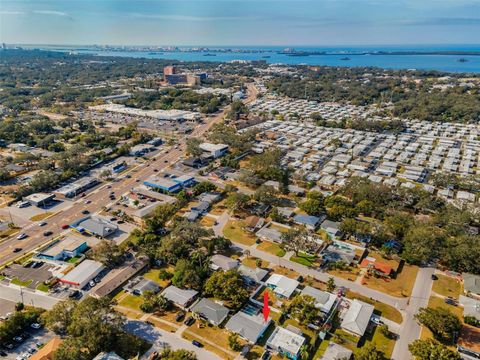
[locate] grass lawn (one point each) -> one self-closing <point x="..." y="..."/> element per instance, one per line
<point x="73" y="260"/>
<point x="233" y="231"/>
<point x="153" y="274"/>
<point x="161" y="324"/>
<point x="345" y="274"/>
<point x="132" y="302"/>
<point x="43" y="287"/>
<point x="215" y="335"/>
<point x="346" y="339"/>
<point x="382" y="309"/>
<point x="207" y="221"/>
<point x="18" y="282"/>
<point x="381" y="342"/>
<point x="447" y="286"/>
<point x="437" y="302"/>
<point x="321" y="350"/>
<point x="425" y="334"/>
<point x="271" y="248"/>
<point x="41" y="216"/>
<point x="402" y="285"/>
<point x="304" y="259"/>
<point x="284" y="271"/>
<point x="218" y="208"/>
<point x="8" y="232"/>
<point x="130" y="314"/>
<point x="252" y="262"/>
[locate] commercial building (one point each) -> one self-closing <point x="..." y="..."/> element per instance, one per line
<point x="39" y="199"/>
<point x="214" y="150"/>
<point x="76" y="187"/>
<point x="82" y="274"/>
<point x="69" y="247"/>
<point x="247" y="326"/>
<point x="96" y="226"/>
<point x="168" y="184"/>
<point x="286" y="342"/>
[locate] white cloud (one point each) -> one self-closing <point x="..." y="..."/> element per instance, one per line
<point x="173" y="17"/>
<point x="11" y="13"/>
<point x="51" y="12"/>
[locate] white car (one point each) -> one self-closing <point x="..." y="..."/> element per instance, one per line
<point x="36" y="326"/>
<point x="42" y="223"/>
<point x="22" y="236"/>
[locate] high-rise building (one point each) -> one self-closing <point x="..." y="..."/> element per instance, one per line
<point x="169" y="70"/>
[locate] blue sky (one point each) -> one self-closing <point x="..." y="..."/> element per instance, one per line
<point x="240" y="22"/>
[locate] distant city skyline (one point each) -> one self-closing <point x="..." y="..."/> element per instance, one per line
<point x="240" y="22"/>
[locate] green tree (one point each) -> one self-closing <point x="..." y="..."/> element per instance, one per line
<point x="108" y="253"/>
<point x="193" y="147"/>
<point x="298" y="239"/>
<point x="303" y="309"/>
<point x="233" y="342"/>
<point x="237" y="201"/>
<point x="444" y="325"/>
<point x="422" y="243"/>
<point x="369" y="352"/>
<point x="430" y="349"/>
<point x="180" y="354"/>
<point x="331" y="284"/>
<point x="227" y="286"/>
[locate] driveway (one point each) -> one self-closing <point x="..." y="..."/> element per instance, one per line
<point x="162" y="339"/>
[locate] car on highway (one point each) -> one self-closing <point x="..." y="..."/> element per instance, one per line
<point x="85" y="212"/>
<point x="165" y="161"/>
<point x="65" y="226"/>
<point x="87" y="202"/>
<point x="22" y="236"/>
<point x="84" y="194"/>
<point x="42" y="223"/>
<point x="17" y="249"/>
<point x="47" y="233"/>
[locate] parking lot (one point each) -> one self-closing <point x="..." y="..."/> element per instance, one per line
<point x="31" y="345"/>
<point x="28" y="276"/>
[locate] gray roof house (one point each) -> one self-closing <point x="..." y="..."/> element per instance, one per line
<point x="210" y="311"/>
<point x="249" y="327"/>
<point x="309" y="221"/>
<point x="471" y="283"/>
<point x="357" y="317"/>
<point x="180" y="297"/>
<point x="140" y="285"/>
<point x="331" y="227"/>
<point x="471" y="306"/>
<point x="323" y="300"/>
<point x="336" y="352"/>
<point x="252" y="275"/>
<point x="223" y="262"/>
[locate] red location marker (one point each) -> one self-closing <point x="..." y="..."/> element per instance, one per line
<point x="266" y="308"/>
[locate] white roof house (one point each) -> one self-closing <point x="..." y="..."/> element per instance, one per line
<point x="357" y="317"/>
<point x="336" y="352"/>
<point x="180" y="297"/>
<point x="285" y="342"/>
<point x="282" y="286"/>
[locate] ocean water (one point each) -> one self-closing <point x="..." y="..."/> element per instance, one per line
<point x="447" y="63"/>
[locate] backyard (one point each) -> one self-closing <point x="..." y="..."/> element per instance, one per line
<point x="271" y="248"/>
<point x="233" y="231"/>
<point x="447" y="286"/>
<point x="401" y="286"/>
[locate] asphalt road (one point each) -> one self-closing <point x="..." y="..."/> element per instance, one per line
<point x="99" y="197"/>
<point x="27" y="296"/>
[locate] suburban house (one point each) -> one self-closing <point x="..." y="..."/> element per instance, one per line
<point x="286" y="342"/>
<point x="270" y="234"/>
<point x="202" y="207"/>
<point x="309" y="221"/>
<point x="248" y="327"/>
<point x="182" y="298"/>
<point x="336" y="352"/>
<point x="286" y="212"/>
<point x="210" y="311"/>
<point x="108" y="356"/>
<point x="471" y="284"/>
<point x="357" y="317"/>
<point x="332" y="228"/>
<point x="323" y="300"/>
<point x="281" y="285"/>
<point x="140" y="285"/>
<point x="253" y="223"/>
<point x="376" y="267"/>
<point x="251" y="275"/>
<point x="223" y="262"/>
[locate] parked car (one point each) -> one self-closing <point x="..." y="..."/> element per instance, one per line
<point x="18" y="339"/>
<point x="180" y="316"/>
<point x="266" y="355"/>
<point x="22" y="236"/>
<point x="197" y="343"/>
<point x="434" y="277"/>
<point x="450" y="301"/>
<point x="189" y="321"/>
<point x="35" y="326"/>
<point x="92" y="283"/>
